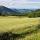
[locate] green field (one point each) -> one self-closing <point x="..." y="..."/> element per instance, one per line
<point x="21" y="25"/>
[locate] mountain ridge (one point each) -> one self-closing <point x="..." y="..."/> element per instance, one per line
<point x="18" y="12"/>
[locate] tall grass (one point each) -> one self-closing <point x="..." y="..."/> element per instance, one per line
<point x="15" y="28"/>
<point x="14" y="36"/>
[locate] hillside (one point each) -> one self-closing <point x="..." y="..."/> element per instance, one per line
<point x="4" y="11"/>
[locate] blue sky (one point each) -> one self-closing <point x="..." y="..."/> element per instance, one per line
<point x="21" y="3"/>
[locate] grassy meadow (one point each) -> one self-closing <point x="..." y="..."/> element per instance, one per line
<point x="30" y="27"/>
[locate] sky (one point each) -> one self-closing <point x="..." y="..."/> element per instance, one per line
<point x="21" y="3"/>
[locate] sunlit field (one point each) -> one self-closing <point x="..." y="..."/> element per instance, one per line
<point x="20" y="25"/>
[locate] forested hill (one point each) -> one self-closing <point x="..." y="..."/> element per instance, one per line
<point x="4" y="11"/>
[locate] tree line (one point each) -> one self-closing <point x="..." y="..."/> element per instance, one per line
<point x="35" y="13"/>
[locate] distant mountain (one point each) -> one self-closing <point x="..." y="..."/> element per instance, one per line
<point x="6" y="11"/>
<point x="18" y="12"/>
<point x="22" y="10"/>
<point x="2" y="8"/>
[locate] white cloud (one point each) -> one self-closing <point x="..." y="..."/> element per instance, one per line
<point x="20" y="3"/>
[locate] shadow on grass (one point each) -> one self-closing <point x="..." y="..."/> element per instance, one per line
<point x="13" y="36"/>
